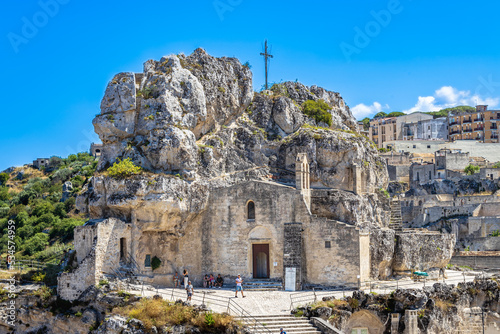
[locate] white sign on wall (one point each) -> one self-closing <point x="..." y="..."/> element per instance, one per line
<point x="290" y="278"/>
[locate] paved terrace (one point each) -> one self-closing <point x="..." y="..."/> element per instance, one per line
<point x="281" y="302"/>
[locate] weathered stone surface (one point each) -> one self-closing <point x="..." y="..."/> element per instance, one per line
<point x="120" y="94"/>
<point x="382" y="245"/>
<point x="422" y="251"/>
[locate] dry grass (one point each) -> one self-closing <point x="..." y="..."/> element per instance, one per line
<point x="334" y="303"/>
<point x="16" y="185"/>
<point x="443" y="305"/>
<point x="157" y="312"/>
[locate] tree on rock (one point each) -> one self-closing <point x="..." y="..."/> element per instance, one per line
<point x="123" y="168"/>
<point x="318" y="110"/>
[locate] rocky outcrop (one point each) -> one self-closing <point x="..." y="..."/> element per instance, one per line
<point x="434" y="251"/>
<point x="440" y="308"/>
<point x="404" y="252"/>
<point x="195" y="123"/>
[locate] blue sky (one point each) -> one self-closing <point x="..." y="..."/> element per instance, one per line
<point x="58" y="55"/>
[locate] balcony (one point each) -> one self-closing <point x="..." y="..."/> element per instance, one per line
<point x="478" y="119"/>
<point x="454" y="123"/>
<point x="467" y="130"/>
<point x="453" y="132"/>
<point x="493" y="126"/>
<point x="467" y="121"/>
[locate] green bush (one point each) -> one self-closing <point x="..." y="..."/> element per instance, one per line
<point x="209" y="319"/>
<point x="318" y="110"/>
<point x="4" y="177"/>
<point x="36" y="243"/>
<point x="471" y="169"/>
<point x="155" y="263"/>
<point x="123" y="168"/>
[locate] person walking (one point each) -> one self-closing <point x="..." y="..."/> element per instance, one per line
<point x="176" y="280"/>
<point x="190" y="290"/>
<point x="186" y="278"/>
<point x="239" y="287"/>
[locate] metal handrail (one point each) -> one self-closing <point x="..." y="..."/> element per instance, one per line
<point x="220" y="301"/>
<point x="309" y="297"/>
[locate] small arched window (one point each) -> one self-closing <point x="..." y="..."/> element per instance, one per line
<point x="251" y="210"/>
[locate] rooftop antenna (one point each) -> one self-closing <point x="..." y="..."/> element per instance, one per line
<point x="266" y="58"/>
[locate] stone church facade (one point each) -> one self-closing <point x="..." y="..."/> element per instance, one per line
<point x="259" y="229"/>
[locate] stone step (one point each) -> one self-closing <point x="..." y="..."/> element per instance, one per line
<point x="273" y="323"/>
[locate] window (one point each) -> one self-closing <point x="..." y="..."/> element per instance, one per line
<point x="328" y="244"/>
<point x="429" y="146"/>
<point x="430" y="175"/>
<point x="251" y="210"/>
<point x="147" y="260"/>
<point x="414" y="146"/>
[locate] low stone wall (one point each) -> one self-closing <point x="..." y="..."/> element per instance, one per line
<point x="477" y="262"/>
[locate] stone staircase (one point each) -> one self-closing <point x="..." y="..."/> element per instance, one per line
<point x="273" y="323"/>
<point x="262" y="284"/>
<point x="396" y="222"/>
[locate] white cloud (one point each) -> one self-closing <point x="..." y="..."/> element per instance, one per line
<point x="361" y="110"/>
<point x="444" y="97"/>
<point x="447" y="97"/>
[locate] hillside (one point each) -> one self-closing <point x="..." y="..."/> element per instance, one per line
<point x="42" y="207"/>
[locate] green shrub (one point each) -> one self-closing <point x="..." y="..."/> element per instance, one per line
<point x="471" y="169"/>
<point x="495" y="233"/>
<point x="123" y="168"/>
<point x="209" y="319"/>
<point x="36" y="243"/>
<point x="318" y="110"/>
<point x="155" y="263"/>
<point x="4" y="177"/>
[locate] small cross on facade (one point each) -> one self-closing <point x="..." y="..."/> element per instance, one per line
<point x="266" y="58"/>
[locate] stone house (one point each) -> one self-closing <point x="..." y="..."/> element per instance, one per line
<point x="40" y="162"/>
<point x="489" y="173"/>
<point x="95" y="150"/>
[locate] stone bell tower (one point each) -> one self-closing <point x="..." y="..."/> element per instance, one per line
<point x="302" y="182"/>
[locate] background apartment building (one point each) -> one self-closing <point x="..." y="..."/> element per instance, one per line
<point x="481" y="125"/>
<point x="383" y="130"/>
<point x="408" y="127"/>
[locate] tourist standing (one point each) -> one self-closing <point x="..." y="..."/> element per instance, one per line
<point x="239" y="287"/>
<point x="190" y="290"/>
<point x="186" y="277"/>
<point x="282" y="331"/>
<point x="176" y="280"/>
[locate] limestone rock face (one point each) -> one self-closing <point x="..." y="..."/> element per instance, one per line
<point x="197" y="117"/>
<point x="434" y="251"/>
<point x="120" y="94"/>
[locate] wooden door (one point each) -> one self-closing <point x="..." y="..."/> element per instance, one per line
<point x="260" y="254"/>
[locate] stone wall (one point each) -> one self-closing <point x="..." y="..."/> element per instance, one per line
<point x="292" y="252"/>
<point x="332" y="250"/>
<point x="97" y="246"/>
<point x="476" y="262"/>
<point x="400" y="173"/>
